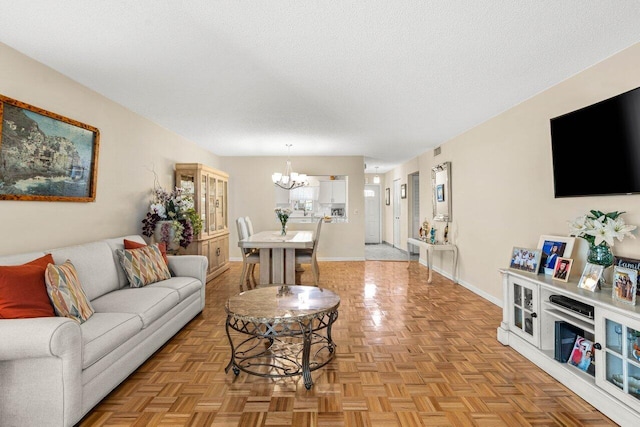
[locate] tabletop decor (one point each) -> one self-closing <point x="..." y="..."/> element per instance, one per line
<point x="599" y="229"/>
<point x="172" y="218"/>
<point x="283" y="216"/>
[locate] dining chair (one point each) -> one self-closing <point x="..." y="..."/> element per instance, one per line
<point x="309" y="256"/>
<point x="249" y="257"/>
<point x="247" y="220"/>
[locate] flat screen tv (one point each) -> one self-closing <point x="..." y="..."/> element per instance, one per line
<point x="596" y="149"/>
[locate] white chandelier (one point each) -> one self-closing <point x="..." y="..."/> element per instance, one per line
<point x="289" y="179"/>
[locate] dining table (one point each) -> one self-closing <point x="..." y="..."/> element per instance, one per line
<point x="278" y="253"/>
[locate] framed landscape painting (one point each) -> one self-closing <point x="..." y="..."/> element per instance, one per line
<point x="45" y="156"/>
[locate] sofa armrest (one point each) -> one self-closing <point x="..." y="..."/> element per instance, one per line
<point x="189" y="266"/>
<point x="39" y="337"/>
<point x="40" y="371"/>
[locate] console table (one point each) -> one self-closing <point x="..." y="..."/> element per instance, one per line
<point x="430" y="247"/>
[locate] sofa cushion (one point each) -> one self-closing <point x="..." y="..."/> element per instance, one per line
<point x="104" y="332"/>
<point x="95" y="264"/>
<point x="66" y="293"/>
<point x="185" y="286"/>
<point x="144" y="265"/>
<point x="23" y="292"/>
<point x="149" y="302"/>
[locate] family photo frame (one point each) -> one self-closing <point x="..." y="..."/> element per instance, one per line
<point x="554" y="247"/>
<point x="625" y="285"/>
<point x="525" y="260"/>
<point x="45" y="156"/>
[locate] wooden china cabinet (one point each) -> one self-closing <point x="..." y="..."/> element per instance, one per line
<point x="209" y="188"/>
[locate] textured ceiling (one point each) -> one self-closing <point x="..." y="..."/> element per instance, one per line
<point x="387" y="80"/>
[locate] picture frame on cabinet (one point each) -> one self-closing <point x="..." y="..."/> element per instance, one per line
<point x="631" y="263"/>
<point x="46" y="156"/>
<point x="625" y="285"/>
<point x="554" y="247"/>
<point x="525" y="260"/>
<point x="562" y="269"/>
<point x="387" y="196"/>
<point x="590" y="276"/>
<point x="403" y="191"/>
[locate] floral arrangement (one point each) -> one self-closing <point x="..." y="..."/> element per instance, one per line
<point x="176" y="207"/>
<point x="599" y="228"/>
<point x="283" y="215"/>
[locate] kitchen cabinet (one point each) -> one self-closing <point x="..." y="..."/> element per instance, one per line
<point x="333" y="192"/>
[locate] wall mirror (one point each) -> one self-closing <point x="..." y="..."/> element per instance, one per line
<point x="441" y="183"/>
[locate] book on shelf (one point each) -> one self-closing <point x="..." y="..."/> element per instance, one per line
<point x="582" y="355"/>
<point x="565" y="338"/>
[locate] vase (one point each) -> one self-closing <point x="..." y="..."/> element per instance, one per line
<point x="166" y="233"/>
<point x="283" y="231"/>
<point x="600" y="255"/>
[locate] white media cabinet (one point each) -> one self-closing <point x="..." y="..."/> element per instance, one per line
<point x="528" y="326"/>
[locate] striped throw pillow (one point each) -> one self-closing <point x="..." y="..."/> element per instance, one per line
<point x="143" y="266"/>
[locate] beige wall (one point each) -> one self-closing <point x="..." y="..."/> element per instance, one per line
<point x="501" y="175"/>
<point x="130" y="147"/>
<point x="502" y="181"/>
<point x="252" y="193"/>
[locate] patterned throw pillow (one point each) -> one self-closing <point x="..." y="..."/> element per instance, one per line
<point x="143" y="266"/>
<point x="66" y="293"/>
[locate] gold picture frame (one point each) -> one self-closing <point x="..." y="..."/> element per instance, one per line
<point x="45" y="156"/>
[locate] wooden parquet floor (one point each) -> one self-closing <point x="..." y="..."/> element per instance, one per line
<point x="409" y="354"/>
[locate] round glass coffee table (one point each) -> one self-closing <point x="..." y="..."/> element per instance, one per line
<point x="283" y="331"/>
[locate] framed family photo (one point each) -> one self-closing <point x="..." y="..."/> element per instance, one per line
<point x="590" y="277"/>
<point x="554" y="247"/>
<point x="525" y="260"/>
<point x="631" y="263"/>
<point x="45" y="156"/>
<point x="562" y="269"/>
<point x="625" y="284"/>
<point x="403" y="191"/>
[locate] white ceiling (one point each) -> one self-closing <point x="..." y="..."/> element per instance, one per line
<point x="387" y="80"/>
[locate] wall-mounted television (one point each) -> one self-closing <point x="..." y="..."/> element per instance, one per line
<point x="596" y="149"/>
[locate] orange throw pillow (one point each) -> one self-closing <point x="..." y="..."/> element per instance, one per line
<point x="130" y="244"/>
<point x="23" y="292"/>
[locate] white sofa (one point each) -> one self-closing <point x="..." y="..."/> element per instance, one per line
<point x="53" y="370"/>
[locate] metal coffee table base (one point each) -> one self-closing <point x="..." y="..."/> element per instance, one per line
<point x="281" y="348"/>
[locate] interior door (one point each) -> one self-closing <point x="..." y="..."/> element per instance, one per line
<point x="372" y="213"/>
<point x="396" y="215"/>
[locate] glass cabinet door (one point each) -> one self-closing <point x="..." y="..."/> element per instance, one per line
<point x="204" y="190"/>
<point x="621" y="373"/>
<point x="524" y="300"/>
<point x="212" y="204"/>
<point x="221" y="205"/>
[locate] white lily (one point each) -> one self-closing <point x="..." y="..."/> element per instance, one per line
<point x="601" y="233"/>
<point x="619" y="229"/>
<point x="578" y="226"/>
